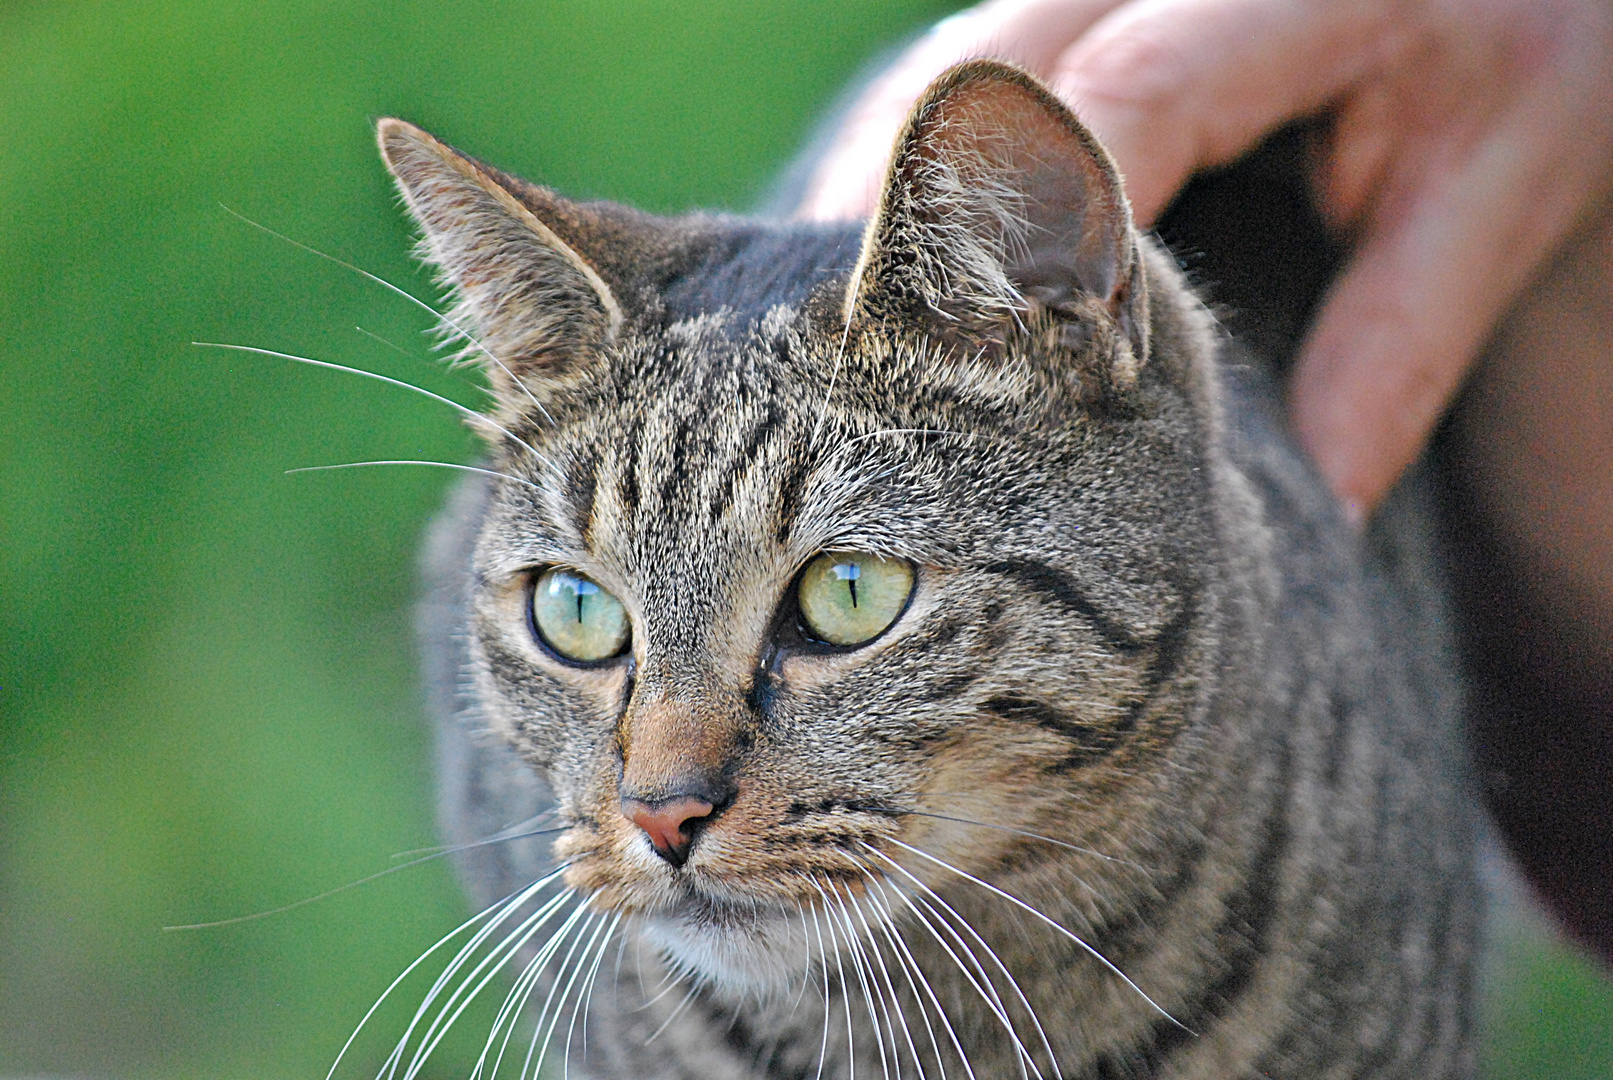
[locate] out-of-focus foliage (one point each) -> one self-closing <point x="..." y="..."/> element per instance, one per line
<point x="208" y="702"/>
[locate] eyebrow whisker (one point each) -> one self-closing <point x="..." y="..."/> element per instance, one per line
<point x="413" y="299"/>
<point x="471" y="414"/>
<point x="433" y="464"/>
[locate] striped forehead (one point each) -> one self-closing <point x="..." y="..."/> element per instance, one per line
<point x="699" y="455"/>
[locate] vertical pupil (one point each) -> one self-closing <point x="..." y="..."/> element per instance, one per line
<point x="849" y="573"/>
<point x="580" y="588"/>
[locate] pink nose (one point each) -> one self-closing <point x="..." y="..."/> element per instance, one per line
<point x="668" y="824"/>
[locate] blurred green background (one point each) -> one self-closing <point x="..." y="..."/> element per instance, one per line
<point x="208" y="698"/>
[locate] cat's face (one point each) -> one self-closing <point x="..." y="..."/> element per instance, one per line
<point x="790" y="581"/>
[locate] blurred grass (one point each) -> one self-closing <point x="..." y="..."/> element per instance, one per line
<point x="1547" y="1008"/>
<point x="208" y="702"/>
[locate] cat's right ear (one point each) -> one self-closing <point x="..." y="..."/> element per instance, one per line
<point x="1002" y="214"/>
<point x="534" y="304"/>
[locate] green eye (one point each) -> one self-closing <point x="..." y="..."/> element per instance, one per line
<point x="576" y="618"/>
<point x="847" y="598"/>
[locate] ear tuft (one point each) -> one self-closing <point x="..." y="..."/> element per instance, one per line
<point x="1003" y="218"/>
<point x="534" y="304"/>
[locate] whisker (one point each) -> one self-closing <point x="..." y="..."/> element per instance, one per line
<point x="668" y="983"/>
<point x="351" y="884"/>
<point x="859" y="963"/>
<point x="890" y="994"/>
<point x="487" y="968"/>
<point x="593" y="978"/>
<point x="520" y="992"/>
<point x="834" y="374"/>
<point x="621" y="952"/>
<point x="1002" y="967"/>
<point x="508" y="832"/>
<point x="1002" y="828"/>
<point x="413" y="299"/>
<point x="638" y="965"/>
<point x="585" y="992"/>
<point x="871" y="946"/>
<point x="511" y="1009"/>
<point x="394" y="346"/>
<point x="823" y="955"/>
<point x="433" y="464"/>
<point x="887" y="927"/>
<point x="929" y="990"/>
<point x="496" y="911"/>
<point x="471" y="414"/>
<point x="984" y="984"/>
<point x="1090" y="951"/>
<point x="999" y="1008"/>
<point x="509" y="1013"/>
<point x="845" y="990"/>
<point x="806" y="969"/>
<point x="973" y="971"/>
<point x="575" y="969"/>
<point x="673" y="1015"/>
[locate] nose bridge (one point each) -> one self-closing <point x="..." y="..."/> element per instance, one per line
<point x="679" y="738"/>
<point x="681" y="733"/>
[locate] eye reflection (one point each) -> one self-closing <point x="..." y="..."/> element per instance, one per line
<point x="850" y="597"/>
<point x="577" y="618"/>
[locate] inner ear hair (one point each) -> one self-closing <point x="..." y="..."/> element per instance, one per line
<point x="534" y="304"/>
<point x="1002" y="215"/>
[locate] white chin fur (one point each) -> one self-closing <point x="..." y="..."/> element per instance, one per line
<point x="750" y="954"/>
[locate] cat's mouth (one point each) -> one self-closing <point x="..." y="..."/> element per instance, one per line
<point x="738" y="913"/>
<point x="752" y="857"/>
<point x="712" y="893"/>
<point x="756" y="949"/>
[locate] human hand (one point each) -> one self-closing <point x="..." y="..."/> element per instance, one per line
<point x="1469" y="137"/>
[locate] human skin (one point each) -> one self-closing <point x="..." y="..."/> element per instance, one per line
<point x="1470" y="137"/>
<point x="1470" y="172"/>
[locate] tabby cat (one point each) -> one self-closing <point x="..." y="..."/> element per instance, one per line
<point x="923" y="648"/>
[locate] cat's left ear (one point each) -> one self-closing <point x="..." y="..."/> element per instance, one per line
<point x="1002" y="215"/>
<point x="534" y="303"/>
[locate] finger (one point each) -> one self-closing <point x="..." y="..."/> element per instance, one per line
<point x="1399" y="330"/>
<point x="1361" y="145"/>
<point x="1031" y="33"/>
<point x="1172" y="86"/>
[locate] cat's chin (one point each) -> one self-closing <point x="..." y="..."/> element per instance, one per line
<point x="749" y="952"/>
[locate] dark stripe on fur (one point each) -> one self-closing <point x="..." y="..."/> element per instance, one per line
<point x="791" y="484"/>
<point x="1092" y="742"/>
<point x="1058" y="586"/>
<point x="582" y="482"/>
<point x="1250" y="911"/>
<point x="760" y="435"/>
<point x="628" y="491"/>
<point x="1338" y="741"/>
<point x="680" y="447"/>
<point x="1169" y="645"/>
<point x="949" y="687"/>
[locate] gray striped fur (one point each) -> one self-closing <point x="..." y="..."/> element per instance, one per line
<point x="1141" y="630"/>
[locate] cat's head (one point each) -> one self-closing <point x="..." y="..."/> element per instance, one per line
<point x="818" y="548"/>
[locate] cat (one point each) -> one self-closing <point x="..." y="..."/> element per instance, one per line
<point x="924" y="647"/>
